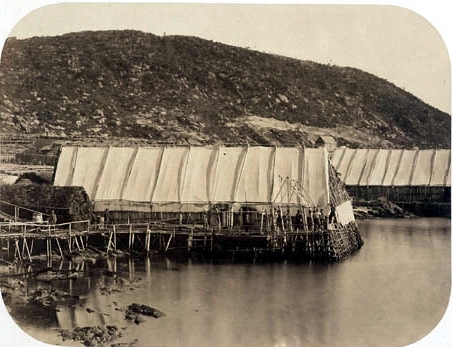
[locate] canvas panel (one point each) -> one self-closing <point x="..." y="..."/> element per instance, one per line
<point x="392" y="165"/>
<point x="375" y="176"/>
<point x="336" y="156"/>
<point x="344" y="213"/>
<point x="447" y="180"/>
<point x="171" y="171"/>
<point x="406" y="166"/>
<point x="88" y="168"/>
<point x="441" y="167"/>
<point x="288" y="164"/>
<point x="64" y="167"/>
<point x="357" y="163"/>
<point x="422" y="168"/>
<point x="114" y="173"/>
<point x="198" y="180"/>
<point x="344" y="164"/>
<point x="143" y="174"/>
<point x="196" y="175"/>
<point x="255" y="178"/>
<point x="229" y="164"/>
<point x="369" y="167"/>
<point x="315" y="176"/>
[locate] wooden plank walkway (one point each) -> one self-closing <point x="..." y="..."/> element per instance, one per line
<point x="164" y="237"/>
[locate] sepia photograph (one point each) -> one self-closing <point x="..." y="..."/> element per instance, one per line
<point x="224" y="175"/>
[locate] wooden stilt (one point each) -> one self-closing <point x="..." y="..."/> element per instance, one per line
<point x="114" y="235"/>
<point x="130" y="237"/>
<point x="59" y="247"/>
<point x="262" y="223"/>
<point x="81" y="242"/>
<point x="28" y="250"/>
<point x="109" y="242"/>
<point x="148" y="240"/>
<point x="7" y="247"/>
<point x="31" y="246"/>
<point x="168" y="243"/>
<point x="211" y="241"/>
<point x="76" y="243"/>
<point x="190" y="241"/>
<point x="17" y="249"/>
<point x="48" y="247"/>
<point x="23" y="247"/>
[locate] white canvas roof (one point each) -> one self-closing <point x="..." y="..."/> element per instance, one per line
<point x="194" y="175"/>
<point x="396" y="167"/>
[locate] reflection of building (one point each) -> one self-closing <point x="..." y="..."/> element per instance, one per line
<point x="329" y="142"/>
<point x="398" y="175"/>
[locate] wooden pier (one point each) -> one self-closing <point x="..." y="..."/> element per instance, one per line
<point x="20" y="240"/>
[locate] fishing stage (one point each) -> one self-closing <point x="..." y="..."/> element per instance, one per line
<point x="329" y="242"/>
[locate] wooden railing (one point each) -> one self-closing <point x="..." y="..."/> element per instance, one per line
<point x="15" y="211"/>
<point x="44" y="228"/>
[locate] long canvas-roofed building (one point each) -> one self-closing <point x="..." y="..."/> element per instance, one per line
<point x="398" y="175"/>
<point x="185" y="178"/>
<point x="252" y="198"/>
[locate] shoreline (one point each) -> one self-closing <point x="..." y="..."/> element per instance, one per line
<point x="388" y="209"/>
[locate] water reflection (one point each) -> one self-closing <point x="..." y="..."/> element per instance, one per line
<point x="383" y="295"/>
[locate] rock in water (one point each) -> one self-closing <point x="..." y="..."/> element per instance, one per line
<point x="145" y="310"/>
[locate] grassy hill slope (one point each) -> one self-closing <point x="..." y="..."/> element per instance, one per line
<point x="129" y="84"/>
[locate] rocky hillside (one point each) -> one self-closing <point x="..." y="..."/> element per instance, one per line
<point x="109" y="85"/>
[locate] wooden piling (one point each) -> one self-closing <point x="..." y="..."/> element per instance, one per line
<point x="168" y="243"/>
<point x="28" y="251"/>
<point x="59" y="248"/>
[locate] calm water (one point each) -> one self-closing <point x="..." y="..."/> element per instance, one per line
<point x="391" y="293"/>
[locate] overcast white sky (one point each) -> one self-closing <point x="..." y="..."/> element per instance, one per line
<point x="391" y="42"/>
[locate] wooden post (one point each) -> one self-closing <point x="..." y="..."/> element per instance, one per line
<point x="70" y="238"/>
<point x="59" y="248"/>
<point x="7" y="247"/>
<point x="211" y="241"/>
<point x="219" y="221"/>
<point x="49" y="243"/>
<point x="148" y="239"/>
<point x="47" y="248"/>
<point x="114" y="235"/>
<point x="81" y="242"/>
<point x="76" y="243"/>
<point x="190" y="240"/>
<point x="17" y="249"/>
<point x="23" y="247"/>
<point x="109" y="241"/>
<point x="168" y="243"/>
<point x="28" y="250"/>
<point x="262" y="222"/>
